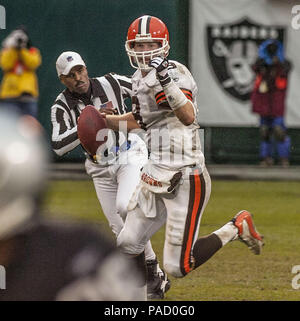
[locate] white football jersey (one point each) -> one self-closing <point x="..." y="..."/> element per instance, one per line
<point x="171" y="144"/>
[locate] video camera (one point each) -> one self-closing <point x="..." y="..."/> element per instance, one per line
<point x="17" y="39"/>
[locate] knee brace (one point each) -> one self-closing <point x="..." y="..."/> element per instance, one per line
<point x="175" y="228"/>
<point x="279" y="133"/>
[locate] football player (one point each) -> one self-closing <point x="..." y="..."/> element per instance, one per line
<point x="43" y="259"/>
<point x="175" y="185"/>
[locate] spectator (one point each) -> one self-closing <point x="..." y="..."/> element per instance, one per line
<point x="19" y="61"/>
<point x="268" y="100"/>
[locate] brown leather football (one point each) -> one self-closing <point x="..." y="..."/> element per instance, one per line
<point x="90" y="122"/>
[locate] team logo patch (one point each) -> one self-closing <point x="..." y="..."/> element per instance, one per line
<point x="69" y="58"/>
<point x="233" y="49"/>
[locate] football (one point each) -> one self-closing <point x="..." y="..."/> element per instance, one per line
<point x="90" y="122"/>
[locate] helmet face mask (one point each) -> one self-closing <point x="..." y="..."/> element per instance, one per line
<point x="142" y="30"/>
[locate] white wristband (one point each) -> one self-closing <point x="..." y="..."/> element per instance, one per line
<point x="175" y="97"/>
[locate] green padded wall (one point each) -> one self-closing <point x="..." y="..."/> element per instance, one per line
<point x="240" y="145"/>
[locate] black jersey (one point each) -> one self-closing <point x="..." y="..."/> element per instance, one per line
<point x="56" y="261"/>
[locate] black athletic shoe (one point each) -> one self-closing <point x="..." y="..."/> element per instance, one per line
<point x="157" y="281"/>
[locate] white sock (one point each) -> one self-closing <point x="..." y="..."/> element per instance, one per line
<point x="227" y="233"/>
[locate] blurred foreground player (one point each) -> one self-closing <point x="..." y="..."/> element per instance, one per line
<point x="175" y="185"/>
<point x="48" y="260"/>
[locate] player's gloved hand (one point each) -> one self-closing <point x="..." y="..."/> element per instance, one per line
<point x="161" y="66"/>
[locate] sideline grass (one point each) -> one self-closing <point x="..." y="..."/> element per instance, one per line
<point x="234" y="273"/>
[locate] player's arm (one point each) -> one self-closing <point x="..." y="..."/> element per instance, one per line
<point x="182" y="107"/>
<point x="113" y="121"/>
<point x="64" y="132"/>
<point x="185" y="113"/>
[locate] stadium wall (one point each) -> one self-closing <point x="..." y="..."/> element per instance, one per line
<point x="97" y="30"/>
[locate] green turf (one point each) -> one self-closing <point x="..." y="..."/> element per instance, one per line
<point x="234" y="273"/>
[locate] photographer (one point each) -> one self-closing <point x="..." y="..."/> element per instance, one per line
<point x="268" y="100"/>
<point x="19" y="61"/>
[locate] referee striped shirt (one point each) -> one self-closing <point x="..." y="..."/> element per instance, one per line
<point x="68" y="106"/>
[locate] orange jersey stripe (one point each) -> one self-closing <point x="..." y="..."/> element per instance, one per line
<point x="188" y="97"/>
<point x="161" y="93"/>
<point x="188" y="94"/>
<point x="158" y="99"/>
<point x="186" y="261"/>
<point x="161" y="99"/>
<point x="186" y="91"/>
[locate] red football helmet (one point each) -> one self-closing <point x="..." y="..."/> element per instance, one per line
<point x="146" y="29"/>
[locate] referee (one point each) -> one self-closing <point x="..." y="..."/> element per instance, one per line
<point x="114" y="179"/>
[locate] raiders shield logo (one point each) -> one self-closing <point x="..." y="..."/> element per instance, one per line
<point x="233" y="49"/>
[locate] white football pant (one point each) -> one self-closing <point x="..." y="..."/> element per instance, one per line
<point x="115" y="184"/>
<point x="182" y="215"/>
